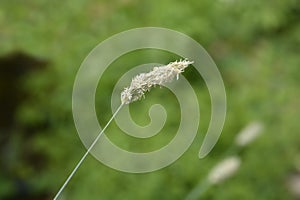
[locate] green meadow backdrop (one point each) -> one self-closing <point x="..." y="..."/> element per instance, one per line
<point x="255" y="44"/>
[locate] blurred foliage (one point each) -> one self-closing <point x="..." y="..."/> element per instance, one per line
<point x="256" y="45"/>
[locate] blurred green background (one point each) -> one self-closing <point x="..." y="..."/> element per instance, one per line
<point x="255" y="44"/>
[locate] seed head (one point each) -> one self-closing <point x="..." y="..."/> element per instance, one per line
<point x="249" y="134"/>
<point x="224" y="170"/>
<point x="158" y="76"/>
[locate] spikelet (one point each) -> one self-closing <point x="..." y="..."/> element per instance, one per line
<point x="249" y="134"/>
<point x="224" y="170"/>
<point x="158" y="76"/>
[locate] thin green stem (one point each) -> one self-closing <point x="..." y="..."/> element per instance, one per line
<point x="86" y="153"/>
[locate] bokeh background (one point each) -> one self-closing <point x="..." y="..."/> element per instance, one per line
<point x="255" y="44"/>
